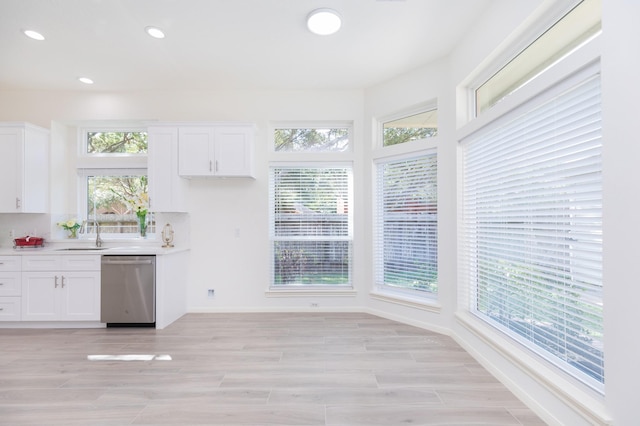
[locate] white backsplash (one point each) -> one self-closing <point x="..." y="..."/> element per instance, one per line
<point x="15" y="225"/>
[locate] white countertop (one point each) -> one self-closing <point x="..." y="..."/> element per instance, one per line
<point x="86" y="247"/>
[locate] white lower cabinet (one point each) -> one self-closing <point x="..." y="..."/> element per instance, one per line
<point x="68" y="290"/>
<point x="10" y="288"/>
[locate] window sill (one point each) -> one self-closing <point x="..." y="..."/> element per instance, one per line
<point x="314" y="291"/>
<point x="404" y="300"/>
<point x="581" y="398"/>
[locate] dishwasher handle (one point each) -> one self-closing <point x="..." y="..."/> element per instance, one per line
<point x="127" y="262"/>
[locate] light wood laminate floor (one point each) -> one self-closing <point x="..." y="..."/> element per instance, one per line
<point x="250" y="369"/>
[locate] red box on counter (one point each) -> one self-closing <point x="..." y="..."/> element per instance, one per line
<point x="28" y="242"/>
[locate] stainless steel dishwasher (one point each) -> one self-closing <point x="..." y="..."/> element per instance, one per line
<point x="128" y="294"/>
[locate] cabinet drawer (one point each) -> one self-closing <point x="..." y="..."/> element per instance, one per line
<point x="88" y="262"/>
<point x="10" y="309"/>
<point x="10" y="283"/>
<point x="64" y="262"/>
<point x="41" y="263"/>
<point x="10" y="263"/>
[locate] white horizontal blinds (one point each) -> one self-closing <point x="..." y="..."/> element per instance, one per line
<point x="407" y="224"/>
<point x="311" y="225"/>
<point x="533" y="228"/>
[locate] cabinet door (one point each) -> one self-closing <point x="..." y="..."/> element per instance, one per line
<point x="10" y="170"/>
<point x="195" y="156"/>
<point x="80" y="296"/>
<point x="40" y="294"/>
<point x="24" y="169"/>
<point x="167" y="190"/>
<point x="10" y="283"/>
<point x="233" y="151"/>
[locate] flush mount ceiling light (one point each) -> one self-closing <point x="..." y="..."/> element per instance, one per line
<point x="85" y="80"/>
<point x="324" y="21"/>
<point x="33" y="35"/>
<point x="154" y="32"/>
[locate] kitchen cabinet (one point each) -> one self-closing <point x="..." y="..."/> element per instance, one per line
<point x="24" y="168"/>
<point x="167" y="190"/>
<point x="10" y="288"/>
<point x="216" y="151"/>
<point x="61" y="288"/>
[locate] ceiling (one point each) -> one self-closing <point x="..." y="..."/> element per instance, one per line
<point x="223" y="44"/>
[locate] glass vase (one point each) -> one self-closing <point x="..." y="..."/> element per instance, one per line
<point x="142" y="222"/>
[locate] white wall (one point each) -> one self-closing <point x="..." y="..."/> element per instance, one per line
<point x="621" y="92"/>
<point x="236" y="267"/>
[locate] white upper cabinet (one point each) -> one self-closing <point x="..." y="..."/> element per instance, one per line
<point x="167" y="190"/>
<point x="24" y="168"/>
<point x="216" y="151"/>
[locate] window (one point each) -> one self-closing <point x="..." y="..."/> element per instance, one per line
<point x="532" y="226"/>
<point x="572" y="30"/>
<point x="311" y="139"/>
<point x="111" y="193"/>
<point x="101" y="142"/>
<point x="410" y="128"/>
<point x="406" y="224"/>
<point x="112" y="200"/>
<point x="311" y="225"/>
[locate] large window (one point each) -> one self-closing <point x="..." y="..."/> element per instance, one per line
<point x="406" y="224"/>
<point x="111" y="194"/>
<point x="532" y="226"/>
<point x="311" y="225"/>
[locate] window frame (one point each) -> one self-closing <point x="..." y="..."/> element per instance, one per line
<point x="348" y="166"/>
<point x="574" y="68"/>
<point x="411" y="111"/>
<point x="380" y="287"/>
<point x="83" y="136"/>
<point x="105" y="164"/>
<point x="553" y="16"/>
<point x="311" y="159"/>
<point x="310" y="155"/>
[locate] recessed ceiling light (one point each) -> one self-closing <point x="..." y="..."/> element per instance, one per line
<point x="85" y="80"/>
<point x="324" y="21"/>
<point x="33" y="34"/>
<point x="154" y="32"/>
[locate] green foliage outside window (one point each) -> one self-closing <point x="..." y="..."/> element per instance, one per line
<point x="319" y="140"/>
<point x="116" y="142"/>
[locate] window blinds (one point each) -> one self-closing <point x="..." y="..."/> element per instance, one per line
<point x="311" y="225"/>
<point x="532" y="226"/>
<point x="406" y="224"/>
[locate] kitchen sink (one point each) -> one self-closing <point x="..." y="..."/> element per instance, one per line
<point x="82" y="248"/>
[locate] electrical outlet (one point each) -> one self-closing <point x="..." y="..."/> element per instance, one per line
<point x="211" y="293"/>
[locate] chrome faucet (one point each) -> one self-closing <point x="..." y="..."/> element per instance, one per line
<point x="98" y="239"/>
